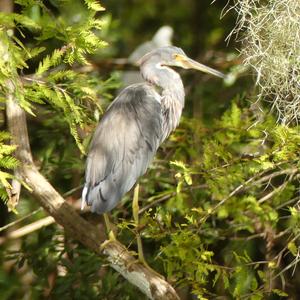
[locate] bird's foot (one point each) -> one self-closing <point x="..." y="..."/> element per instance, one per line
<point x="111" y="238"/>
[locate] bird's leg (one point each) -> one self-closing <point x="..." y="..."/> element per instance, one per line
<point x="110" y="233"/>
<point x="135" y="211"/>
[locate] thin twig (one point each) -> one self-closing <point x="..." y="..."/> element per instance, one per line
<point x="273" y="175"/>
<point x="168" y="196"/>
<point x="36" y="211"/>
<point x="28" y="229"/>
<point x="278" y="189"/>
<point x="235" y="191"/>
<point x="154" y="203"/>
<point x="21" y="219"/>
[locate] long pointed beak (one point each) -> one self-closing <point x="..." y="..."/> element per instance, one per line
<point x="192" y="64"/>
<point x="188" y="63"/>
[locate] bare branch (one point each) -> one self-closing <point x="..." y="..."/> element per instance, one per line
<point x="272" y="175"/>
<point x="6" y="6"/>
<point x="27" y="229"/>
<point x="150" y="283"/>
<point x="20" y="219"/>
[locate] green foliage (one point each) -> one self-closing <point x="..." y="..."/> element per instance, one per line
<point x="239" y="197"/>
<point x="186" y="259"/>
<point x="53" y="82"/>
<point x="94" y="5"/>
<point x="7" y="163"/>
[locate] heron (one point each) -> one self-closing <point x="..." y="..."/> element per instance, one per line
<point x="133" y="127"/>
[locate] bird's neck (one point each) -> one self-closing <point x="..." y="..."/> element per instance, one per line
<point x="168" y="81"/>
<point x="171" y="90"/>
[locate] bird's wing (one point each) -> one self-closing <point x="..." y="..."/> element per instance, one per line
<point x="123" y="146"/>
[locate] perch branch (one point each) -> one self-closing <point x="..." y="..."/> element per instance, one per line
<point x="119" y="257"/>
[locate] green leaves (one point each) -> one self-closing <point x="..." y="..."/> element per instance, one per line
<point x="232" y="117"/>
<point x="22" y="20"/>
<point x="54" y="82"/>
<point x="7" y="163"/>
<point x="185" y="257"/>
<point x="94" y="5"/>
<point x="287" y="143"/>
<point x="50" y="61"/>
<point x="184" y="170"/>
<point x="247" y="176"/>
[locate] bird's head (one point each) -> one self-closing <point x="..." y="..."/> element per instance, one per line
<point x="175" y="57"/>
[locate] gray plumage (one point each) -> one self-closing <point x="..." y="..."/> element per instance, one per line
<point x="123" y="146"/>
<point x="133" y="127"/>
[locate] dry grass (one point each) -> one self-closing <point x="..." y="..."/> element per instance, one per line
<point x="270" y="35"/>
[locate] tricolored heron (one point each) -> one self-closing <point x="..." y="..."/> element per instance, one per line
<point x="133" y="127"/>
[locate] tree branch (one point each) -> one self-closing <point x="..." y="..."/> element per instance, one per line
<point x="148" y="281"/>
<point x="27" y="229"/>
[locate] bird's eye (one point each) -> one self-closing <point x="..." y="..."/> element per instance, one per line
<point x="177" y="57"/>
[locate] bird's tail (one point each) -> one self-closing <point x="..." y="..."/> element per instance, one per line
<point x="102" y="197"/>
<point x="83" y="197"/>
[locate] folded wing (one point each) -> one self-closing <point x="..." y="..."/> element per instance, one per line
<point x="122" y="147"/>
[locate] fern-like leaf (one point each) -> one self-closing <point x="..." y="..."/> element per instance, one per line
<point x="94" y="5"/>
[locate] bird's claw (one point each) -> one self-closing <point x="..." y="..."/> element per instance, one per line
<point x="111" y="238"/>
